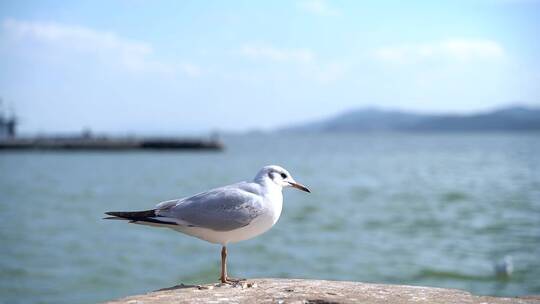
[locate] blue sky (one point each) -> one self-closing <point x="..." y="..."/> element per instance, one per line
<point x="138" y="66"/>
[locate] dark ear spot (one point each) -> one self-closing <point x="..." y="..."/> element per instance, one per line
<point x="270" y="175"/>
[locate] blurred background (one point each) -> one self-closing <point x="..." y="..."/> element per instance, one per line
<point x="415" y="124"/>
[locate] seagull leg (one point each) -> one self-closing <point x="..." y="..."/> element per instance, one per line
<point x="225" y="279"/>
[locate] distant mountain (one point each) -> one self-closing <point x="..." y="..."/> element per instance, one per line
<point x="507" y="119"/>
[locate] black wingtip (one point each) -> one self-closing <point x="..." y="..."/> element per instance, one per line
<point x="112" y="218"/>
<point x="132" y="214"/>
<point x="114" y="213"/>
<point x="136" y="216"/>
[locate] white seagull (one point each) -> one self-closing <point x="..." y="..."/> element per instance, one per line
<point x="223" y="215"/>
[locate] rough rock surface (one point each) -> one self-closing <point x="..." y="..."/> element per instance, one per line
<point x="312" y="292"/>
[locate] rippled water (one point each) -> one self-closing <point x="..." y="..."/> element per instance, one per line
<point x="432" y="209"/>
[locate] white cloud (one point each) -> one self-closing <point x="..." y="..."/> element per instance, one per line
<point x="106" y="46"/>
<point x="318" y="7"/>
<point x="453" y="49"/>
<point x="277" y="54"/>
<point x="330" y="73"/>
<point x="301" y="62"/>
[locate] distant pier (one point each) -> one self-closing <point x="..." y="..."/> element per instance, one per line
<point x="109" y="143"/>
<point x="88" y="141"/>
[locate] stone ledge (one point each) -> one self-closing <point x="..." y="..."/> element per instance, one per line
<point x="312" y="292"/>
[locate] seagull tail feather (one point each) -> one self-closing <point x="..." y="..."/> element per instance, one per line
<point x="131" y="215"/>
<point x="139" y="217"/>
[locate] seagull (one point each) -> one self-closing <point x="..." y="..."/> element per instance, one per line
<point x="222" y="215"/>
<point x="505" y="267"/>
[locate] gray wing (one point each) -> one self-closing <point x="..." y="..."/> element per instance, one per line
<point x="221" y="209"/>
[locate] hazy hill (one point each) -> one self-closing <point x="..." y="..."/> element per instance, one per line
<point x="507" y="119"/>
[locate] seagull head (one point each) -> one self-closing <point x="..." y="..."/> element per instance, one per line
<point x="279" y="176"/>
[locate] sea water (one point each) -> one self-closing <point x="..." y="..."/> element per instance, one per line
<point x="430" y="209"/>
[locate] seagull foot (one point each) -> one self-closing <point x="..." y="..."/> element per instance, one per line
<point x="232" y="281"/>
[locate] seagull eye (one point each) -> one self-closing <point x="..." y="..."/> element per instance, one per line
<point x="283" y="175"/>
